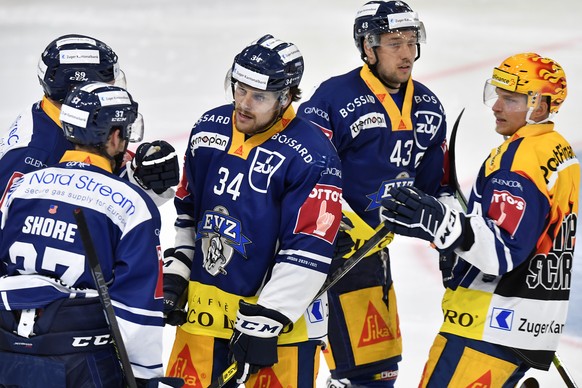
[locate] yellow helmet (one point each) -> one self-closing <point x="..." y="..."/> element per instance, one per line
<point x="533" y="75"/>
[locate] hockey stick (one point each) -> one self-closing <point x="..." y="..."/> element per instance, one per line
<point x="566" y="376"/>
<point x="455" y="185"/>
<point x="339" y="273"/>
<point x="104" y="297"/>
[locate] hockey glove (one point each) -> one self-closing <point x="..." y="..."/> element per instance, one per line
<point x="160" y="382"/>
<point x="254" y="341"/>
<point x="175" y="288"/>
<point x="343" y="241"/>
<point x="155" y="166"/>
<point x="410" y="212"/>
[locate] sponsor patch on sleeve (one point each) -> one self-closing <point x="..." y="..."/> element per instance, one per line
<point x="506" y="210"/>
<point x="320" y="214"/>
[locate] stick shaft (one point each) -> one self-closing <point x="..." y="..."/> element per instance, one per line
<point x="104" y="297"/>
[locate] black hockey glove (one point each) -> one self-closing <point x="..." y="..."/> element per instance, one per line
<point x="155" y="166"/>
<point x="175" y="289"/>
<point x="159" y="382"/>
<point x="410" y="212"/>
<point x="254" y="341"/>
<point x="343" y="241"/>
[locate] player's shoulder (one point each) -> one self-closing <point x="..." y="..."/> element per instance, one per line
<point x="424" y="92"/>
<point x="330" y="86"/>
<point x="218" y="116"/>
<point x="302" y="131"/>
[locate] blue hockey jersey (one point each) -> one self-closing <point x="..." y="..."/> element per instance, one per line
<point x="35" y="140"/>
<point x="382" y="139"/>
<point x="259" y="217"/>
<point x="42" y="256"/>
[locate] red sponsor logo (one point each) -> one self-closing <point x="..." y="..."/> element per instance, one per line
<point x="267" y="379"/>
<point x="328" y="133"/>
<point x="482" y="382"/>
<point x="320" y="214"/>
<point x="160" y="284"/>
<point x="182" y="189"/>
<point x="506" y="210"/>
<point x="15" y="175"/>
<point x="184" y="368"/>
<point x="375" y="329"/>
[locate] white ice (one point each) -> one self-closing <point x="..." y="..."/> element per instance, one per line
<point x="175" y="54"/>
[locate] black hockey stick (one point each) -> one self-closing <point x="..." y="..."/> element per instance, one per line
<point x="566" y="376"/>
<point x="454" y="182"/>
<point x="358" y="255"/>
<point x="104" y="297"/>
<point x="453" y="178"/>
<point x="339" y="273"/>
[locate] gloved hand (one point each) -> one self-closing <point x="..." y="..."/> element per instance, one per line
<point x="160" y="382"/>
<point x="410" y="212"/>
<point x="155" y="166"/>
<point x="343" y="241"/>
<point x="175" y="287"/>
<point x="254" y="342"/>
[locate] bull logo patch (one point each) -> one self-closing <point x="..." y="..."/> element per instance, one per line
<point x="220" y="235"/>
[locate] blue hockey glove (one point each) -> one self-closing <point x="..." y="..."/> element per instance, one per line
<point x="160" y="382"/>
<point x="410" y="212"/>
<point x="254" y="342"/>
<point x="343" y="241"/>
<point x="155" y="166"/>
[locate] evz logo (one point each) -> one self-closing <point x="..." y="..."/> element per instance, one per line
<point x="264" y="165"/>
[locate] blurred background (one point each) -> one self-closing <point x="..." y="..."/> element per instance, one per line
<point x="175" y="54"/>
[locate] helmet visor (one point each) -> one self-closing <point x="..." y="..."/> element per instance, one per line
<point x="135" y="130"/>
<point x="256" y="100"/>
<point x="120" y="79"/>
<point x="512" y="101"/>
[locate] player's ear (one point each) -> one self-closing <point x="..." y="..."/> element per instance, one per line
<point x="369" y="50"/>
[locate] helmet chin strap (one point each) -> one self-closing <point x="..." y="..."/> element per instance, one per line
<point x="531" y="122"/>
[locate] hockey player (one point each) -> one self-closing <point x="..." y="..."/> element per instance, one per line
<point x="53" y="331"/>
<point x="36" y="139"/>
<point x="506" y="307"/>
<point x="258" y="210"/>
<point x="389" y="130"/>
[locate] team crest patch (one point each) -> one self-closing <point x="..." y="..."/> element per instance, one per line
<point x="221" y="235"/>
<point x="506" y="210"/>
<point x="264" y="165"/>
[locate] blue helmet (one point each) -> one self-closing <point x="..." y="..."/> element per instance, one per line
<point x="91" y="110"/>
<point x="73" y="59"/>
<point x="268" y="64"/>
<point x="379" y="17"/>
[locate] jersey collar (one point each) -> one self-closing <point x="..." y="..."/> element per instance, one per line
<point x="400" y="121"/>
<point x="51" y="110"/>
<point x="87" y="157"/>
<point x="532" y="130"/>
<point x="241" y="147"/>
